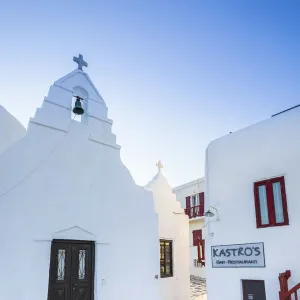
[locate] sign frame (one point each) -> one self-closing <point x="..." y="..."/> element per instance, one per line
<point x="238" y="267"/>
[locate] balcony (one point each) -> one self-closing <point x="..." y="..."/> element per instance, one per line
<point x="195" y="211"/>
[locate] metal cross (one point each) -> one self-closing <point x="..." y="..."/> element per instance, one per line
<point x="79" y="60"/>
<point x="159" y="166"/>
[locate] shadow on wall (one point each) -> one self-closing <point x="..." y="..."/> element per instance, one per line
<point x="197" y="288"/>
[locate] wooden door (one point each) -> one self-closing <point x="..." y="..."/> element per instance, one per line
<point x="71" y="275"/>
<point x="254" y="290"/>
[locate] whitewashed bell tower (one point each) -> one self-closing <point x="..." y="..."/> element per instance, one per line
<point x="68" y="202"/>
<point x="56" y="111"/>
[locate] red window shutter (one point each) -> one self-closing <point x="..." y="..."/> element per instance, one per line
<point x="201" y="251"/>
<point x="188" y="202"/>
<point x="284" y="202"/>
<point x="257" y="205"/>
<point x="197" y="236"/>
<point x="201" y="197"/>
<point x="188" y="206"/>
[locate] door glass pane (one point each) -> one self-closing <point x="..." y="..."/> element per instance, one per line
<point x="168" y="270"/>
<point x="193" y="200"/>
<point x="81" y="268"/>
<point x="263" y="204"/>
<point x="61" y="262"/>
<point x="168" y="257"/>
<point x="278" y="202"/>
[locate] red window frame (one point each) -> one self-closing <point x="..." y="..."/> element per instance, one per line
<point x="270" y="202"/>
<point x="197" y="236"/>
<point x="201" y="252"/>
<point x="199" y="242"/>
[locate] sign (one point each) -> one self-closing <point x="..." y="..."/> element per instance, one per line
<point x="238" y="256"/>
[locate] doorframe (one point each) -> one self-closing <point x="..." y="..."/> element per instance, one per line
<point x="92" y="243"/>
<point x="252" y="280"/>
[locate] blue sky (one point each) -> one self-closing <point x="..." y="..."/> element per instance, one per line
<point x="174" y="74"/>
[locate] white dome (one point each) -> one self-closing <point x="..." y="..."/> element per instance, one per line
<point x="11" y="130"/>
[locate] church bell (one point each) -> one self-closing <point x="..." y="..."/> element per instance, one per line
<point x="78" y="110"/>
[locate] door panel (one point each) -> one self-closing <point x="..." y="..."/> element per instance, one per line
<point x="81" y="271"/>
<point x="254" y="290"/>
<point x="71" y="270"/>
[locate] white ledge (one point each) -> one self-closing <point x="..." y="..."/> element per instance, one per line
<point x="46" y="125"/>
<point x="49" y="240"/>
<point x="70" y="91"/>
<point x="57" y="104"/>
<point x="109" y="121"/>
<point x="115" y="146"/>
<point x="188" y="184"/>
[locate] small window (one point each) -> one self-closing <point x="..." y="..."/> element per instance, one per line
<point x="197" y="237"/>
<point x="166" y="258"/>
<point x="270" y="203"/>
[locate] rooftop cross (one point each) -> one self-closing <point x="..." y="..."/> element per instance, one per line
<point x="79" y="60"/>
<point x="159" y="166"/>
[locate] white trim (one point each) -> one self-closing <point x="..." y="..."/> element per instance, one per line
<point x="45" y="125"/>
<point x="72" y="92"/>
<point x="197" y="219"/>
<point x="68" y="233"/>
<point x="115" y="146"/>
<point x="189" y="184"/>
<point x="62" y="87"/>
<point x="109" y="121"/>
<point x="54" y="103"/>
<point x="49" y="241"/>
<point x="59" y="81"/>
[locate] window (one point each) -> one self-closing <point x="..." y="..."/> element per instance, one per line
<point x="166" y="258"/>
<point x="270" y="203"/>
<point x="195" y="200"/>
<point x="195" y="205"/>
<point x="200" y="244"/>
<point x="197" y="236"/>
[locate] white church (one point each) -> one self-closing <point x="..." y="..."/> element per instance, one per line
<point x="70" y="210"/>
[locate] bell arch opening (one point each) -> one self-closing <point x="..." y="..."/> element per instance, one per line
<point x="80" y="101"/>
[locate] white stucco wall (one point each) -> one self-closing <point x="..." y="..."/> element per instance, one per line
<point x="65" y="179"/>
<point x="11" y="130"/>
<point x="173" y="227"/>
<point x="233" y="163"/>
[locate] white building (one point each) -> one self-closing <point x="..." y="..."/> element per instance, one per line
<point x="11" y="129"/>
<point x="70" y="207"/>
<point x="173" y="228"/>
<point x="191" y="197"/>
<point x="252" y="180"/>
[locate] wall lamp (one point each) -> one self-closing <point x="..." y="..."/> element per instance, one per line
<point x="210" y="213"/>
